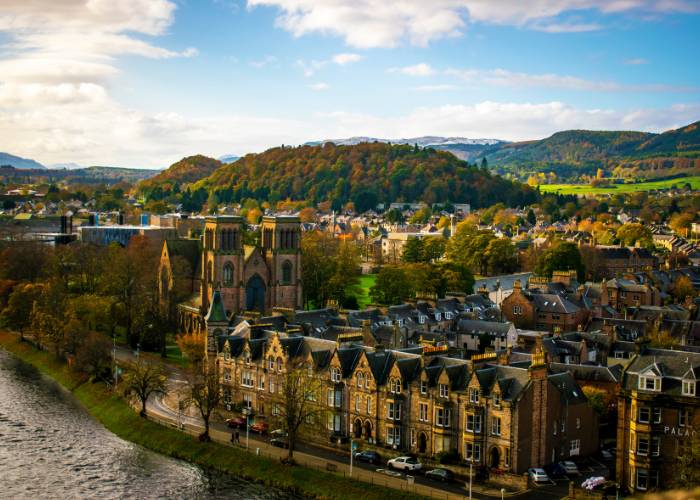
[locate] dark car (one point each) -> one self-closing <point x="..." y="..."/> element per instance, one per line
<point x="555" y="470"/>
<point x="442" y="475"/>
<point x="280" y="442"/>
<point x="369" y="456"/>
<point x="236" y="422"/>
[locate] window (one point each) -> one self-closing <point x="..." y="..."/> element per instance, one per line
<point x="506" y="458"/>
<point x="338" y="399"/>
<point x="276" y="409"/>
<point x="574" y="447"/>
<point x="413" y="437"/>
<point x="472" y="452"/>
<point x="227" y="375"/>
<point x="578" y="423"/>
<point x="517" y="309"/>
<point x="393" y="436"/>
<point x="246" y="357"/>
<point x="271" y="362"/>
<point x="643" y="446"/>
<point x="682" y="418"/>
<point x="331" y="397"/>
<point x="227" y="355"/>
<point x="554" y="432"/>
<point x="421" y="319"/>
<point x="650" y="383"/>
<point x="655" y="446"/>
<point x="563" y="425"/>
<point x="360" y="379"/>
<point x="497" y="400"/>
<point x="423" y="412"/>
<point x="248" y="401"/>
<point x="689" y="387"/>
<point x="656" y="415"/>
<point x="496" y="426"/>
<point x="335" y="375"/>
<point x="369" y="405"/>
<point x="444" y="391"/>
<point x="395" y="386"/>
<point x="474" y="395"/>
<point x="310" y="419"/>
<point x="228" y="274"/>
<point x="311" y="395"/>
<point x="642" y="479"/>
<point x="393" y="410"/>
<point x="286" y="273"/>
<point x="261" y="382"/>
<point x="247" y="378"/>
<point x="442" y="417"/>
<point x="474" y="423"/>
<point x="279" y="365"/>
<point x="272" y="386"/>
<point x="644" y="414"/>
<point x="357" y="402"/>
<point x="423" y="386"/>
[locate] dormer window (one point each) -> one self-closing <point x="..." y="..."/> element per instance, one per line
<point x="649" y="383"/>
<point x="689" y="387"/>
<point x="279" y="364"/>
<point x="448" y="315"/>
<point x="438" y="316"/>
<point x="423" y="386"/>
<point x="474" y="395"/>
<point x="271" y="362"/>
<point x="399" y="322"/>
<point x="360" y="379"/>
<point x="335" y="375"/>
<point x="444" y="390"/>
<point x="395" y="386"/>
<point x="421" y="319"/>
<point x="246" y="358"/>
<point x="497" y="400"/>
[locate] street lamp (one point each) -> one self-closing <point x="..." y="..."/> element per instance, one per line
<point x="503" y="491"/>
<point x="246" y="412"/>
<point x="352" y="452"/>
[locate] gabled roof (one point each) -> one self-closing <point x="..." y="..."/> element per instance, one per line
<point x="188" y="249"/>
<point x="216" y="313"/>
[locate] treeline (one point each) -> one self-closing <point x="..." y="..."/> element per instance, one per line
<point x="364" y="174"/>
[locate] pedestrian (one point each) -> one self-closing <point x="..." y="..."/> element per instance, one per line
<point x="233" y="437"/>
<point x="238" y="437"/>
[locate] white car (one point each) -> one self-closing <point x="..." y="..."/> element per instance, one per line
<point x="405" y="463"/>
<point x="569" y="467"/>
<point x="538" y="475"/>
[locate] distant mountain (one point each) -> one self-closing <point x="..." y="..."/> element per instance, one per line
<point x="462" y="147"/>
<point x="64" y="166"/>
<point x="228" y="158"/>
<point x="572" y="153"/>
<point x="7" y="159"/>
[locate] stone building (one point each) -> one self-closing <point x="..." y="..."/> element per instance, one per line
<point x="658" y="418"/>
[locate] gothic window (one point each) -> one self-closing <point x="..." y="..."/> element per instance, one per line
<point x="286" y="272"/>
<point x="228" y="274"/>
<point x="210" y="272"/>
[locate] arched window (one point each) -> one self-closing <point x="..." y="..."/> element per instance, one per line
<point x="286" y="272"/>
<point x="360" y="379"/>
<point x="210" y="272"/>
<point x="279" y="364"/>
<point x="228" y="274"/>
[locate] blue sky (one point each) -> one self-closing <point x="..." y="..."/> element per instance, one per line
<point x="146" y="82"/>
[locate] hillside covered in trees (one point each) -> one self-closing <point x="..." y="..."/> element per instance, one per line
<point x="185" y="171"/>
<point x="572" y="153"/>
<point x="365" y="174"/>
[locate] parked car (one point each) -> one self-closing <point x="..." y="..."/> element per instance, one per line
<point x="280" y="442"/>
<point x="405" y="464"/>
<point x="236" y="422"/>
<point x="278" y="433"/>
<point x="259" y="427"/>
<point x="607" y="454"/>
<point x="538" y="475"/>
<point x="440" y="474"/>
<point x="369" y="456"/>
<point x="569" y="467"/>
<point x="555" y="470"/>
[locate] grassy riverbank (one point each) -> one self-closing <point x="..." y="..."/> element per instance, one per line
<point x="113" y="412"/>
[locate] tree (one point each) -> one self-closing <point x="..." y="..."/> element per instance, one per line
<point x="48" y="318"/>
<point x="562" y="256"/>
<point x="681" y="223"/>
<point x="204" y="392"/>
<point x="308" y="214"/>
<point x="300" y="393"/>
<point x="433" y="248"/>
<point x="92" y="357"/>
<point x="468" y="247"/>
<point x="683" y="288"/>
<point x="501" y="256"/>
<point x="192" y="346"/>
<point x="18" y="313"/>
<point x="392" y="286"/>
<point x="142" y="380"/>
<point x="601" y="401"/>
<point x="531" y="217"/>
<point x="413" y="250"/>
<point x="633" y="233"/>
<point x="688" y="471"/>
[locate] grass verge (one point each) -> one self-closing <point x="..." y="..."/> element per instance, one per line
<point x="586" y="189"/>
<point x="364" y="284"/>
<point x="113" y="412"/>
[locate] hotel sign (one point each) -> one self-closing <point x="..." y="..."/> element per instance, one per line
<point x="434" y="349"/>
<point x="679" y="431"/>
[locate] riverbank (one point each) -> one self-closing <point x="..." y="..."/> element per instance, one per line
<point x="116" y="415"/>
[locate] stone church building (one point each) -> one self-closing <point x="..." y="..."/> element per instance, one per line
<point x="253" y="279"/>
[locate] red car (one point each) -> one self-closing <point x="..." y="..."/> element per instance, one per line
<point x="259" y="427"/>
<point x="236" y="422"/>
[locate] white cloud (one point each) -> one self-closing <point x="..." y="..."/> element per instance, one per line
<point x="442" y="87"/>
<point x="346" y="58"/>
<point x="636" y="61"/>
<point x="319" y="86"/>
<point x="506" y="78"/>
<point x="420" y="69"/>
<point x="378" y="23"/>
<point x="265" y="61"/>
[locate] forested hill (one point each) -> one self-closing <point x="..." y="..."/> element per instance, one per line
<point x="185" y="171"/>
<point x="575" y="152"/>
<point x="366" y="174"/>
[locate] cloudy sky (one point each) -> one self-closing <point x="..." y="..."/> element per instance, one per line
<point x="142" y="83"/>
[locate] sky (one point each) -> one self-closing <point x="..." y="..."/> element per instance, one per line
<point x="143" y="83"/>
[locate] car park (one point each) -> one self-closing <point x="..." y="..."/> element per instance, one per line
<point x="538" y="475"/>
<point x="369" y="456"/>
<point x="405" y="464"/>
<point x="440" y="474"/>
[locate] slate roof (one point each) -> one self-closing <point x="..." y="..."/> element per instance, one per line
<point x="548" y="302"/>
<point x="590" y="373"/>
<point x="478" y="326"/>
<point x="671" y="365"/>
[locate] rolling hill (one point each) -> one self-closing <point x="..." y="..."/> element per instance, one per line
<point x="185" y="171"/>
<point x="8" y="160"/>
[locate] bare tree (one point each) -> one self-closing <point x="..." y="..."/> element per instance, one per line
<point x="143" y="379"/>
<point x="205" y="394"/>
<point x="301" y="391"/>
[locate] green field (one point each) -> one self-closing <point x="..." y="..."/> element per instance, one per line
<point x="365" y="283"/>
<point x="585" y="189"/>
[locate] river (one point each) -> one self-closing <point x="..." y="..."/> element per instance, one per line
<point x="51" y="447"/>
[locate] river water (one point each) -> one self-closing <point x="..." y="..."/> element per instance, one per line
<point x="50" y="447"/>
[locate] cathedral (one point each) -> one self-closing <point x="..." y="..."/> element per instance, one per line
<point x="248" y="279"/>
